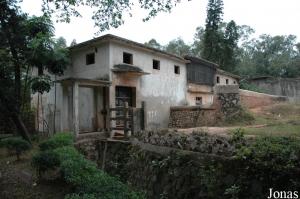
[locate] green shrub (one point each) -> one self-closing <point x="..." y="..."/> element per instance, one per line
<point x="246" y="85"/>
<point x="268" y="162"/>
<point x="277" y="152"/>
<point x="86" y="178"/>
<point x="82" y="174"/>
<point x="45" y="160"/>
<point x="82" y="196"/>
<point x="242" y="117"/>
<point x="238" y="138"/>
<point x="56" y="141"/>
<point x="16" y="144"/>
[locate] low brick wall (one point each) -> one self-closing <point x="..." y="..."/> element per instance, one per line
<point x="251" y="99"/>
<point x="188" y="117"/>
<point x="226" y="103"/>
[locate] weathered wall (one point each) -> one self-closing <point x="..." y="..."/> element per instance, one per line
<point x="192" y="116"/>
<point x="228" y="99"/>
<point x="226" y="104"/>
<point x="196" y="90"/>
<point x="178" y="166"/>
<point x="223" y="78"/>
<point x="280" y="86"/>
<point x="160" y="89"/>
<point x="251" y="99"/>
<point x="162" y="172"/>
<point x="45" y="107"/>
<point x="98" y="70"/>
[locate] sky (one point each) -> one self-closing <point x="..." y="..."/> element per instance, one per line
<point x="274" y="17"/>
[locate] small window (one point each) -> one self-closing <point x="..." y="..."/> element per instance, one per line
<point x="198" y="101"/>
<point x="90" y="58"/>
<point x="234" y="82"/>
<point x="176" y="69"/>
<point x="218" y="80"/>
<point x="227" y="81"/>
<point x="156" y="64"/>
<point x="127" y="58"/>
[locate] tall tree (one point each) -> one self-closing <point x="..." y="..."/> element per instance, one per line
<point x="178" y="47"/>
<point x="154" y="44"/>
<point x="270" y="55"/>
<point x="229" y="47"/>
<point x="25" y="42"/>
<point x="212" y="36"/>
<point x="197" y="46"/>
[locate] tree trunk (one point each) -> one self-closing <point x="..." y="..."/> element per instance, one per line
<point x="9" y="110"/>
<point x="16" y="118"/>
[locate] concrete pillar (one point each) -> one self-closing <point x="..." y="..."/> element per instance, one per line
<point x="65" y="109"/>
<point x="75" y="108"/>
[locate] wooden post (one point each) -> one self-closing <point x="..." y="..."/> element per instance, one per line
<point x="109" y="126"/>
<point x="125" y="119"/>
<point x="132" y="121"/>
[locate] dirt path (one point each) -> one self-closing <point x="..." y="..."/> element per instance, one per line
<point x="18" y="181"/>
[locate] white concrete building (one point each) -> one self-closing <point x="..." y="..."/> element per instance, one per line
<point x="108" y="71"/>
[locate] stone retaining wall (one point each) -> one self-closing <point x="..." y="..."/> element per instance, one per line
<point x="187" y="117"/>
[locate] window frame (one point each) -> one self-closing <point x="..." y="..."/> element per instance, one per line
<point x="90" y="60"/>
<point x="218" y="80"/>
<point x="198" y="99"/>
<point x="158" y="64"/>
<point x="177" y="69"/>
<point x="130" y="58"/>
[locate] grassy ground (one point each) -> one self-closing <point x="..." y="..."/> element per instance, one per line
<point x="279" y="120"/>
<point x="275" y="120"/>
<point x="18" y="180"/>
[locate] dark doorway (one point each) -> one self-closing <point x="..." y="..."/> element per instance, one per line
<point x="125" y="94"/>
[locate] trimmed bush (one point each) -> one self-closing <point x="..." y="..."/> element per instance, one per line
<point x="89" y="182"/>
<point x="58" y="140"/>
<point x="16" y="144"/>
<point x="86" y="178"/>
<point x="45" y="160"/>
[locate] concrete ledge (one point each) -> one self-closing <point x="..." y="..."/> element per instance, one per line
<point x="226" y="89"/>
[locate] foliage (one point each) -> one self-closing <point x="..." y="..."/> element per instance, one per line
<point x="268" y="162"/>
<point x="270" y="56"/>
<point x="26" y="42"/>
<point x="212" y="37"/>
<point x="56" y="141"/>
<point x="237" y="136"/>
<point x="106" y="14"/>
<point x="229" y="46"/>
<point x="242" y="116"/>
<point x="41" y="84"/>
<point x="88" y="181"/>
<point x="44" y="161"/>
<point x="244" y="84"/>
<point x="154" y="44"/>
<point x="16" y="144"/>
<point x="178" y="47"/>
<point x="80" y="196"/>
